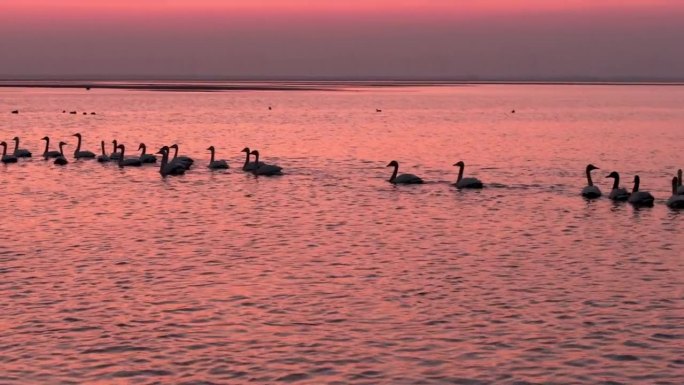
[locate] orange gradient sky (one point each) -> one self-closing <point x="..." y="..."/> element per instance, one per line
<point x="353" y="38"/>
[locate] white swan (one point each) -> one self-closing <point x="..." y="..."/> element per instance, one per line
<point x="47" y="153"/>
<point x="115" y="155"/>
<point x="166" y="168"/>
<point x="249" y="166"/>
<point x="462" y="182"/>
<point x="591" y="191"/>
<point x="640" y="198"/>
<point x="403" y="178"/>
<point x="185" y="161"/>
<point x="676" y="201"/>
<point x="81" y="154"/>
<point x="103" y="158"/>
<point x="20" y="152"/>
<point x="265" y="169"/>
<point x="617" y="193"/>
<point x="7" y="158"/>
<point x="61" y="160"/>
<point x="680" y="188"/>
<point x="216" y="164"/>
<point x="144" y="156"/>
<point x="128" y="162"/>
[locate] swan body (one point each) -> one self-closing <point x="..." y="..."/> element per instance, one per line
<point x="115" y="155"/>
<point x="166" y="168"/>
<point x="591" y="191"/>
<point x="78" y="154"/>
<point x="184" y="161"/>
<point x="7" y="158"/>
<point x="680" y="188"/>
<point x="676" y="201"/>
<point x="20" y="152"/>
<point x="403" y="178"/>
<point x="103" y="158"/>
<point x="640" y="198"/>
<point x="265" y="169"/>
<point x="216" y="164"/>
<point x="61" y="160"/>
<point x="250" y="166"/>
<point x="47" y="153"/>
<point x="462" y="182"/>
<point x="128" y="162"/>
<point x="144" y="156"/>
<point x="617" y="193"/>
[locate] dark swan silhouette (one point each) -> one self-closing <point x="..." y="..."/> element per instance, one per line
<point x="591" y="191"/>
<point x="403" y="178"/>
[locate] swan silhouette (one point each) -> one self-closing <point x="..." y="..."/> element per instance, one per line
<point x="640" y="198"/>
<point x="265" y="169"/>
<point x="47" y="153"/>
<point x="249" y="166"/>
<point x="20" y="152"/>
<point x="103" y="158"/>
<point x="403" y="178"/>
<point x="166" y="168"/>
<point x="462" y="182"/>
<point x="7" y="158"/>
<point x="128" y="162"/>
<point x="676" y="201"/>
<point x="185" y="161"/>
<point x="617" y="193"/>
<point x="591" y="191"/>
<point x="78" y="154"/>
<point x="115" y="155"/>
<point x="216" y="164"/>
<point x="144" y="156"/>
<point x="680" y="188"/>
<point x="61" y="160"/>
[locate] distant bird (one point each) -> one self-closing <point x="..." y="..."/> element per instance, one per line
<point x="78" y="154"/>
<point x="7" y="158"/>
<point x="462" y="182"/>
<point x="249" y="166"/>
<point x="47" y="153"/>
<point x="512" y="111"/>
<point x="269" y="108"/>
<point x="144" y="156"/>
<point x="128" y="162"/>
<point x="403" y="178"/>
<point x="61" y="160"/>
<point x="640" y="198"/>
<point x="617" y="193"/>
<point x="92" y="113"/>
<point x="72" y="112"/>
<point x="166" y="168"/>
<point x="378" y="110"/>
<point x="591" y="191"/>
<point x="85" y="113"/>
<point x="676" y="201"/>
<point x="64" y="111"/>
<point x="20" y="152"/>
<point x="216" y="164"/>
<point x="15" y="111"/>
<point x="265" y="169"/>
<point x="115" y="155"/>
<point x="186" y="161"/>
<point x="680" y="188"/>
<point x="103" y="158"/>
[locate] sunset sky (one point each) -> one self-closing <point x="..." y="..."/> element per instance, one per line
<point x="487" y="39"/>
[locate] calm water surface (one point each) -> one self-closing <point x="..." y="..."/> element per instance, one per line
<point x="329" y="274"/>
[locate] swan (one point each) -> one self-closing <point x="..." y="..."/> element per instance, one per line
<point x="7" y="158"/>
<point x="47" y="153"/>
<point x="61" y="160"/>
<point x="115" y="155"/>
<point x="617" y="193"/>
<point x="103" y="158"/>
<point x="591" y="191"/>
<point x="216" y="164"/>
<point x="20" y="152"/>
<point x="263" y="168"/>
<point x="676" y="201"/>
<point x="249" y="166"/>
<point x="680" y="188"/>
<point x="144" y="156"/>
<point x="167" y="168"/>
<point x="81" y="154"/>
<point x="123" y="162"/>
<point x="183" y="160"/>
<point x="403" y="178"/>
<point x="462" y="182"/>
<point x="640" y="198"/>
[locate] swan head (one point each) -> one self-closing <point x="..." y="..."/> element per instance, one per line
<point x="254" y="152"/>
<point x="613" y="174"/>
<point x="459" y="164"/>
<point x="174" y="146"/>
<point x="393" y="163"/>
<point x="591" y="167"/>
<point x="78" y="135"/>
<point x="163" y="150"/>
<point x="3" y="143"/>
<point x="115" y="143"/>
<point x="141" y="146"/>
<point x="45" y="138"/>
<point x="62" y="143"/>
<point x="210" y="148"/>
<point x="636" y="179"/>
<point x="16" y="139"/>
<point x="246" y="149"/>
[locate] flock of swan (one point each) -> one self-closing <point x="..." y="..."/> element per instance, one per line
<point x="178" y="165"/>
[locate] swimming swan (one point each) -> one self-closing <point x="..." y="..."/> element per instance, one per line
<point x="617" y="193"/>
<point x="47" y="153"/>
<point x="7" y="158"/>
<point x="103" y="158"/>
<point x="591" y="191"/>
<point x="20" y="152"/>
<point x="249" y="166"/>
<point x="166" y="168"/>
<point x="123" y="162"/>
<point x="81" y="154"/>
<point x="676" y="201"/>
<point x="144" y="156"/>
<point x="61" y="160"/>
<point x="640" y="198"/>
<point x="462" y="182"/>
<point x="216" y="164"/>
<point x="115" y="155"/>
<point x="185" y="161"/>
<point x="265" y="169"/>
<point x="403" y="178"/>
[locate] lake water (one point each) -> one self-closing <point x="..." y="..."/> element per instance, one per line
<point x="329" y="274"/>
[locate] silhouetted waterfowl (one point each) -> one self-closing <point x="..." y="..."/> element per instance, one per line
<point x="78" y="154"/>
<point x="640" y="198"/>
<point x="216" y="164"/>
<point x="15" y="111"/>
<point x="680" y="188"/>
<point x="7" y="158"/>
<point x="61" y="159"/>
<point x="269" y="108"/>
<point x="47" y="153"/>
<point x="249" y="166"/>
<point x="403" y="178"/>
<point x="20" y="152"/>
<point x="115" y="155"/>
<point x="72" y="112"/>
<point x="103" y="158"/>
<point x="185" y="161"/>
<point x="617" y="193"/>
<point x="676" y="201"/>
<point x="265" y="169"/>
<point x="92" y="113"/>
<point x="378" y="110"/>
<point x="144" y="156"/>
<point x="591" y="191"/>
<point x="166" y="168"/>
<point x="128" y="162"/>
<point x="85" y="113"/>
<point x="64" y="111"/>
<point x="462" y="182"/>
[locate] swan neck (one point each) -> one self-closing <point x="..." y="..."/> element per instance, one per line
<point x="47" y="145"/>
<point x="636" y="185"/>
<point x="61" y="150"/>
<point x="175" y="153"/>
<point x="78" y="145"/>
<point x="4" y="149"/>
<point x="394" y="173"/>
<point x="103" y="148"/>
<point x="16" y="144"/>
<point x="589" y="178"/>
<point x="674" y="186"/>
<point x="679" y="177"/>
<point x="461" y="168"/>
<point x="164" y="160"/>
<point x="144" y="150"/>
<point x="212" y="156"/>
<point x="616" y="183"/>
<point x="246" y="160"/>
<point x="256" y="159"/>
